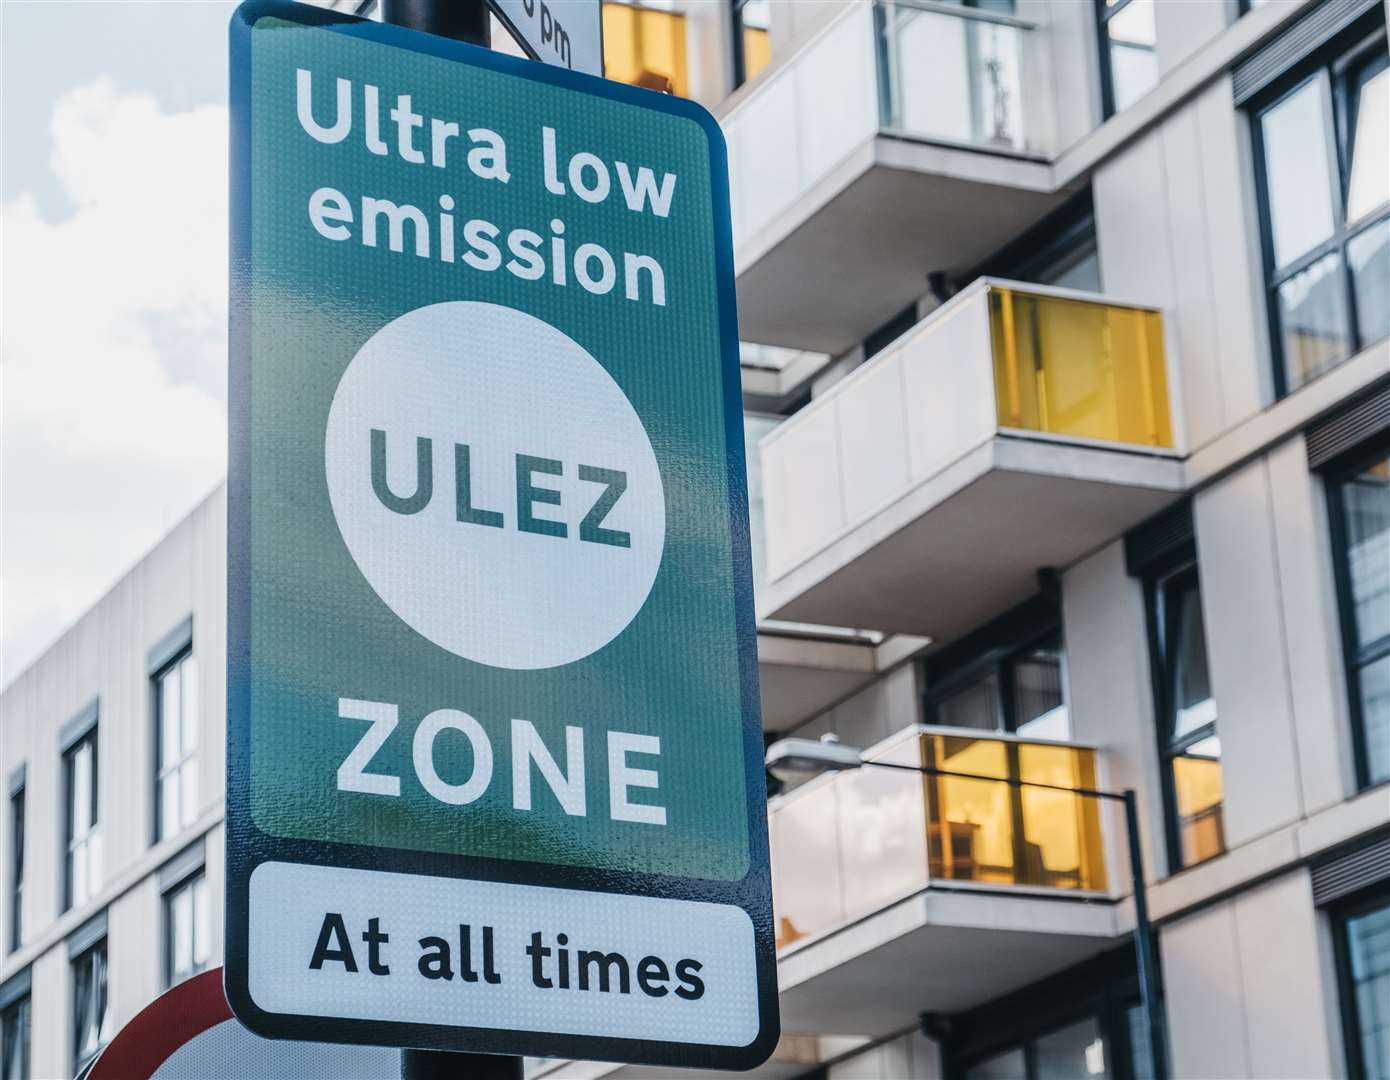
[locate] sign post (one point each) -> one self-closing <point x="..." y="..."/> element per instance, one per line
<point x="494" y="752"/>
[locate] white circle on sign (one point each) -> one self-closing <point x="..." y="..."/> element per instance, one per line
<point x="535" y="532"/>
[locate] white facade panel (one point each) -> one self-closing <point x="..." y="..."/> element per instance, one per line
<point x="873" y="438"/>
<point x="1110" y="690"/>
<point x="948" y="389"/>
<point x="1245" y="644"/>
<point x="1283" y="982"/>
<point x="1308" y="596"/>
<point x="801" y="485"/>
<point x="1202" y="995"/>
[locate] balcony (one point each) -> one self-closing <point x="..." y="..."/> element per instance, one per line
<point x="1016" y="428"/>
<point x="905" y="138"/>
<point x="896" y="894"/>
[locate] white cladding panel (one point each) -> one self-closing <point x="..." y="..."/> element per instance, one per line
<point x="1245" y="642"/>
<point x="803" y="119"/>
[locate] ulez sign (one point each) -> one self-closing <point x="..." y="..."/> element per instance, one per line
<point x="494" y="752"/>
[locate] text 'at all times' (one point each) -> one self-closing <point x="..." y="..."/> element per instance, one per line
<point x="477" y="243"/>
<point x="552" y="962"/>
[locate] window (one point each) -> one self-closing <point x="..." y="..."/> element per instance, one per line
<point x="17" y="869"/>
<point x="1188" y="741"/>
<point x="15" y="1023"/>
<point x="80" y="780"/>
<point x="1060" y="250"/>
<point x="176" y="745"/>
<point x="187" y="929"/>
<point x="889" y="332"/>
<point x="1084" y="1022"/>
<point x="1005" y="677"/>
<point x="1363" y="954"/>
<point x="644" y="45"/>
<point x="752" y="50"/>
<point x="1323" y="148"/>
<point x="1360" y="504"/>
<point x="1128" y="62"/>
<point x="91" y="1019"/>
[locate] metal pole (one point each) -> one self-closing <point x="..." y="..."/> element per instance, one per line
<point x="1143" y="944"/>
<point x="461" y="20"/>
<point x="470" y="21"/>
<point x="1143" y="929"/>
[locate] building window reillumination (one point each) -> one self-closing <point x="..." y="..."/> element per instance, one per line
<point x="1363" y="948"/>
<point x="17" y="869"/>
<point x="83" y="876"/>
<point x="15" y="1024"/>
<point x="91" y="1015"/>
<point x="176" y="739"/>
<point x="187" y="929"/>
<point x="1360" y="503"/>
<point x="1186" y="710"/>
<point x="645" y="45"/>
<point x="752" y="48"/>
<point x="1128" y="60"/>
<point x="1323" y="153"/>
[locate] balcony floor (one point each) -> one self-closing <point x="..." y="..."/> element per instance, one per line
<point x="941" y="950"/>
<point x="966" y="543"/>
<point x="893" y="212"/>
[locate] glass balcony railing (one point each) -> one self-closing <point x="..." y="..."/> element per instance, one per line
<point x="846" y="846"/>
<point x="952" y="73"/>
<point x="998" y="359"/>
<point x="1078" y="367"/>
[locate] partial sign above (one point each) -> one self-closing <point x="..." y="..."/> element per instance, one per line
<point x="565" y="33"/>
<point x="494" y="753"/>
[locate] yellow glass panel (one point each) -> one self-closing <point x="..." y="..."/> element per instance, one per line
<point x="971" y="828"/>
<point x="1062" y="832"/>
<point x="757" y="51"/>
<point x="1197" y="786"/>
<point x="645" y="47"/>
<point x="1080" y="368"/>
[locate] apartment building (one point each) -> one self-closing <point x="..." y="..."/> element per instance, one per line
<point x="1068" y="406"/>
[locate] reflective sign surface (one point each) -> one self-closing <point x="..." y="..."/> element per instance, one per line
<point x="494" y="753"/>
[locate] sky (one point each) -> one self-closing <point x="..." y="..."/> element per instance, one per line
<point x="113" y="229"/>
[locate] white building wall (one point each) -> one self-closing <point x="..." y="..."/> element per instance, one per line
<point x="1239" y="570"/>
<point x="1110" y="689"/>
<point x="1176" y="228"/>
<point x="1183" y="28"/>
<point x="1246" y="987"/>
<point x="1308" y="599"/>
<point x="104" y="656"/>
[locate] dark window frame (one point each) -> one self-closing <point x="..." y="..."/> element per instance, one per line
<point x="1103" y="14"/>
<point x="88" y="738"/>
<point x="1066" y="233"/>
<point x="995" y="647"/>
<point x="1363" y="903"/>
<point x="1104" y="989"/>
<point x="17" y="1015"/>
<point x="98" y="956"/>
<point x="1333" y="66"/>
<point x="1354" y="655"/>
<point x="740" y="60"/>
<point x="1177" y="570"/>
<point x="187" y="882"/>
<point x="170" y="666"/>
<point x="16" y="868"/>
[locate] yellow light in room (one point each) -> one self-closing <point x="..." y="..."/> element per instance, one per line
<point x="645" y="47"/>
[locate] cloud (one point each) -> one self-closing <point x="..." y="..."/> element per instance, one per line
<point x="112" y="355"/>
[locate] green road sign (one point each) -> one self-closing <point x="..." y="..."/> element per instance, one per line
<point x="494" y="752"/>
